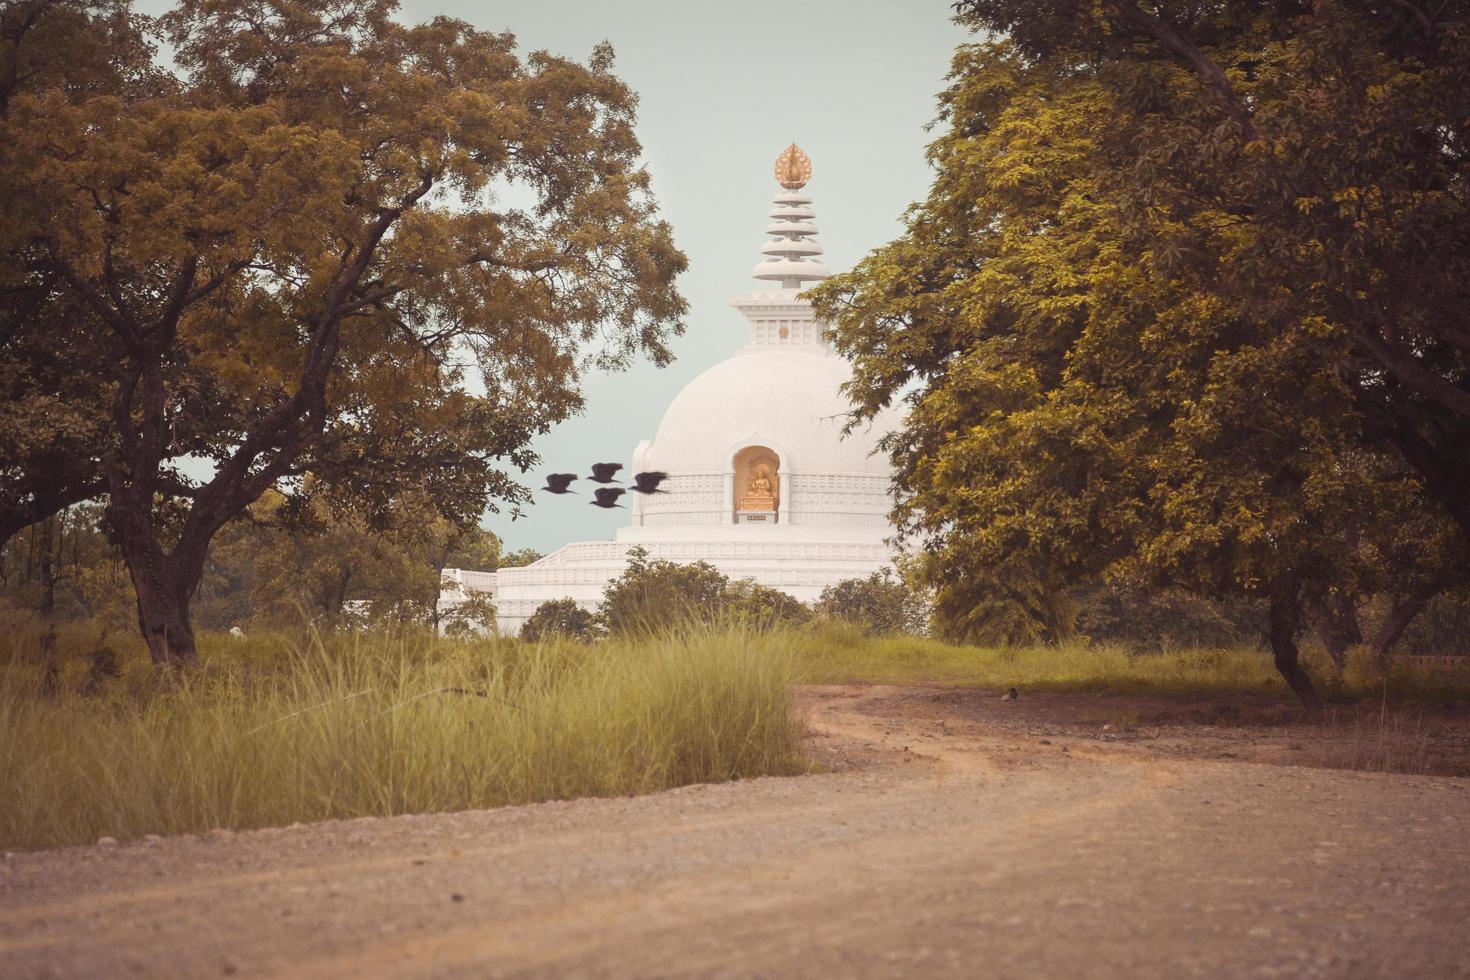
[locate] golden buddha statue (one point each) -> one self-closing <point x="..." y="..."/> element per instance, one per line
<point x="760" y="491"/>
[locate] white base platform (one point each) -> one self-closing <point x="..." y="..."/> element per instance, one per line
<point x="800" y="561"/>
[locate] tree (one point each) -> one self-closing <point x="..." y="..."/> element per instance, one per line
<point x="516" y="559"/>
<point x="559" y="618"/>
<point x="474" y="615"/>
<point x="290" y="252"/>
<point x="1122" y="354"/>
<point x="878" y="605"/>
<point x="1337" y="126"/>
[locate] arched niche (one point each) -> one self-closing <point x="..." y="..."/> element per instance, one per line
<point x="756" y="485"/>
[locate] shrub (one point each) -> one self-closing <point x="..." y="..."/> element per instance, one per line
<point x="652" y="596"/>
<point x="474" y="615"/>
<point x="878" y="604"/>
<point x="559" y="618"/>
<point x="1154" y="620"/>
<point x="763" y="607"/>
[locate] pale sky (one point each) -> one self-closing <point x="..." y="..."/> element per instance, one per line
<point x="723" y="88"/>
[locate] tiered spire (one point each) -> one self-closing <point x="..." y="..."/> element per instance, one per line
<point x="790" y="257"/>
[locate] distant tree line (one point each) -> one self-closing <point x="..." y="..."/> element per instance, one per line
<point x="277" y="566"/>
<point x="650" y="596"/>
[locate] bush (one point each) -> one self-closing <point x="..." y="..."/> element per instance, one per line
<point x="763" y="607"/>
<point x="474" y="615"/>
<point x="559" y="618"/>
<point x="1161" y="620"/>
<point x="879" y="604"/>
<point x="653" y="596"/>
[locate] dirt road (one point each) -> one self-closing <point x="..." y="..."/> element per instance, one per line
<point x="943" y="845"/>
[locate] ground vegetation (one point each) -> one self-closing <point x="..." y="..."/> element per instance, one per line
<point x="278" y="728"/>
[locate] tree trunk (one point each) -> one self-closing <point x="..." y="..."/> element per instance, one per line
<point x="1399" y="617"/>
<point x="1286" y="616"/>
<point x="163" y="611"/>
<point x="1336" y="621"/>
<point x="50" y="668"/>
<point x="163" y="582"/>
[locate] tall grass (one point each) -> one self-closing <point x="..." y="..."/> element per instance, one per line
<point x="269" y="732"/>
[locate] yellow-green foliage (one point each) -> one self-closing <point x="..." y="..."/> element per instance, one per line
<point x="835" y="655"/>
<point x="269" y="732"/>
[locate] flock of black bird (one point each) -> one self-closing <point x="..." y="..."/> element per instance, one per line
<point x="603" y="473"/>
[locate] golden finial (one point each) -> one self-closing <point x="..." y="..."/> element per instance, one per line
<point x="793" y="168"/>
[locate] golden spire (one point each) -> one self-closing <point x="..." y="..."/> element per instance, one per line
<point x="793" y="168"/>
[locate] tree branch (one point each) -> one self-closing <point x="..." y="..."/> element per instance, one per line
<point x="1209" y="72"/>
<point x="167" y="322"/>
<point x="481" y="258"/>
<point x="1417" y="13"/>
<point x="1409" y="371"/>
<point x="292" y="425"/>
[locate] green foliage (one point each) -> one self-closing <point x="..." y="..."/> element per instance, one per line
<point x="329" y="563"/>
<point x="1442" y="629"/>
<point x="881" y="604"/>
<point x="472" y="616"/>
<point x="512" y="559"/>
<point x="284" y="562"/>
<point x="272" y="730"/>
<point x="64" y="568"/>
<point x="559" y="618"/>
<point x="654" y="596"/>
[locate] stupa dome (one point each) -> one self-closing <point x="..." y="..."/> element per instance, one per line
<point x="787" y="399"/>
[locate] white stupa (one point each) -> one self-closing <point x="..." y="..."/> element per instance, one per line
<point x="762" y="483"/>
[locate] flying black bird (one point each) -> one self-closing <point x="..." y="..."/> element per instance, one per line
<point x="603" y="472"/>
<point x="607" y="496"/>
<point x="557" y="482"/>
<point x="648" y="482"/>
